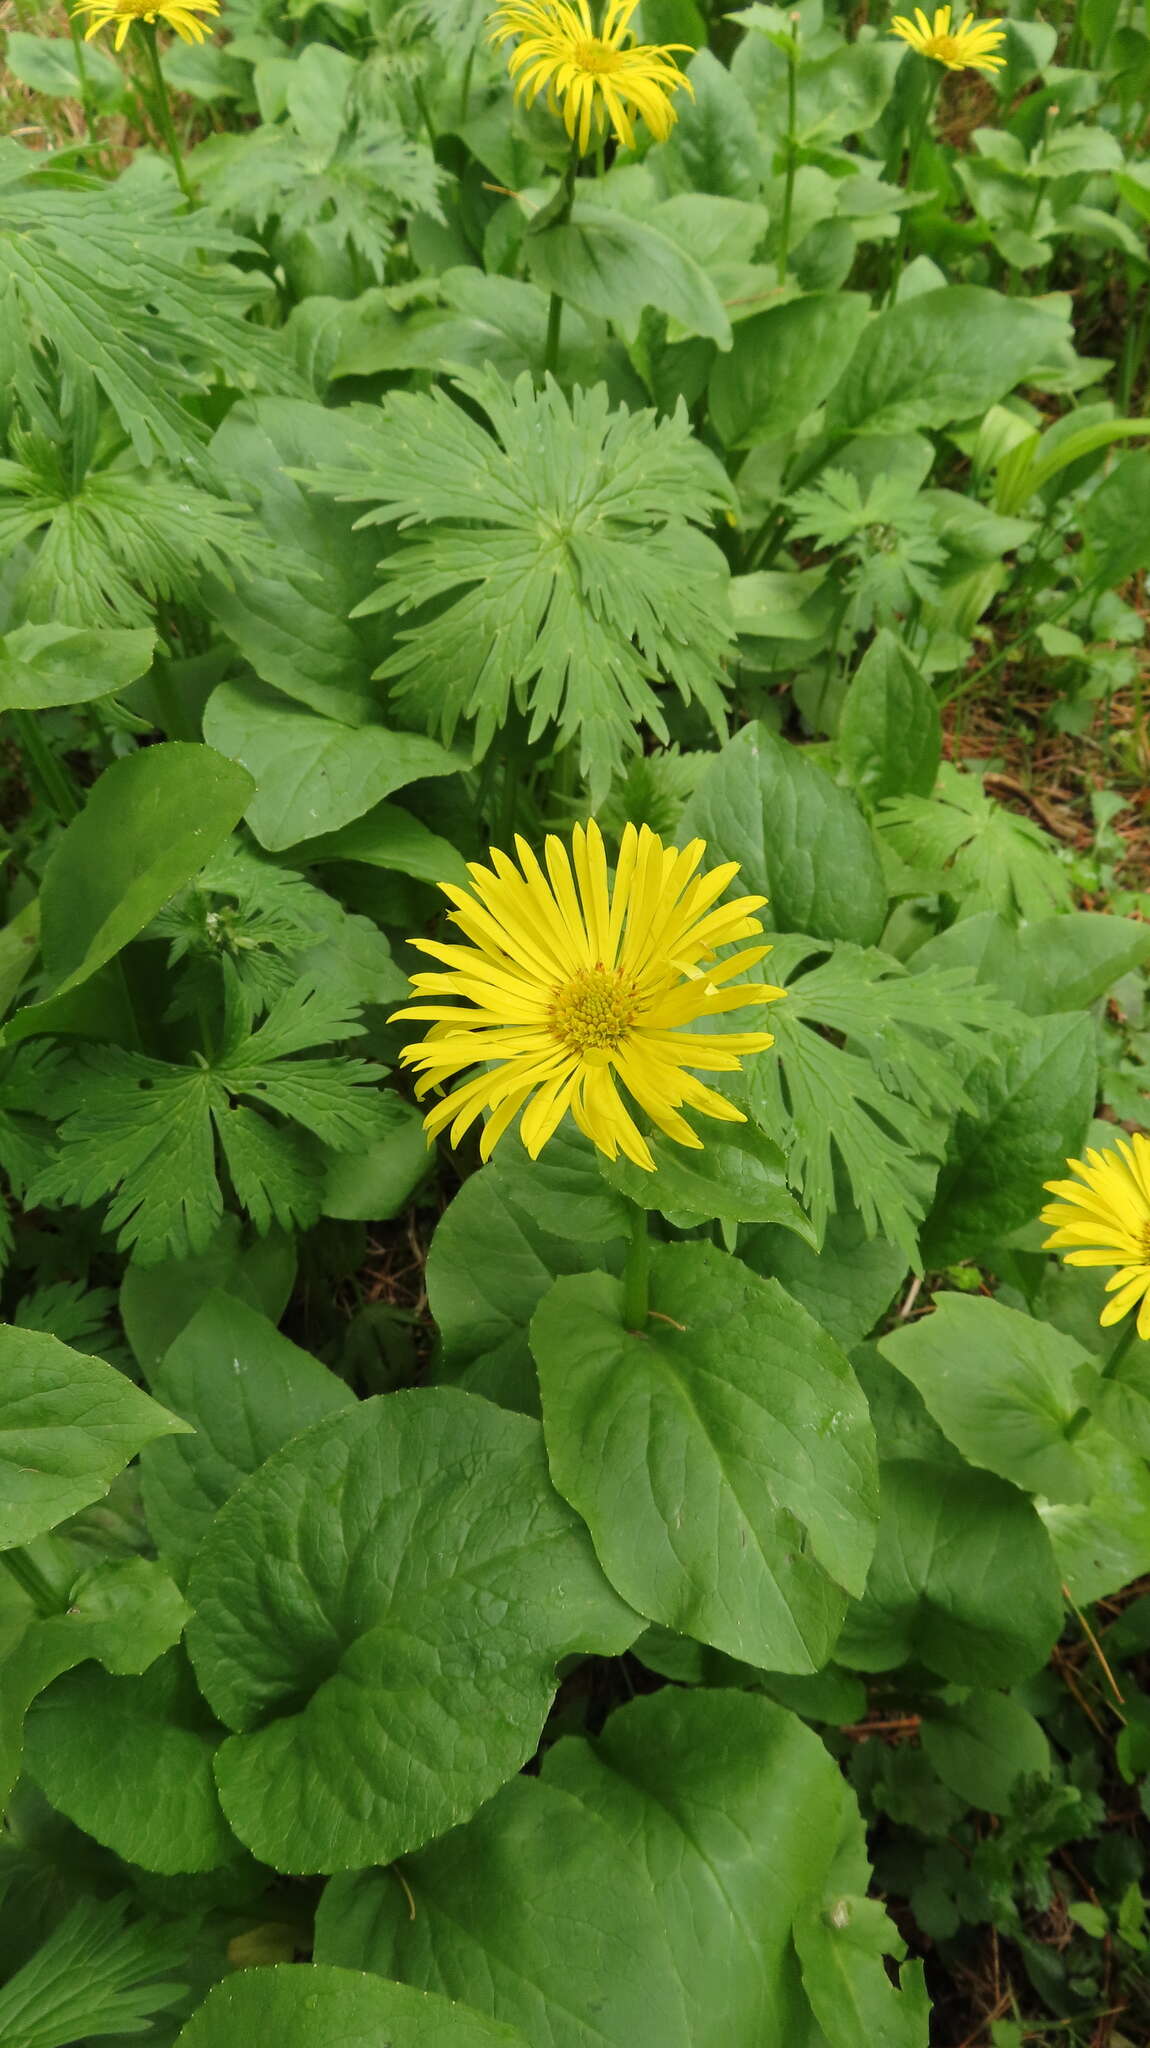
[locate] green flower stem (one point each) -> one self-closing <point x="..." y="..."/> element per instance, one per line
<point x="789" y="181"/>
<point x="916" y="135"/>
<point x="87" y="100"/>
<point x="636" y="1272"/>
<point x="45" y="772"/>
<point x="555" y="308"/>
<point x="31" y="1580"/>
<point x="162" y="108"/>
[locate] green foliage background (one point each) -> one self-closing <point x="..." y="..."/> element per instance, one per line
<point x="394" y="1643"/>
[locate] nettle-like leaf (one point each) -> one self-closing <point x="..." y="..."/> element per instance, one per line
<point x="562" y="567"/>
<point x="993" y="859"/>
<point x="148" y="1136"/>
<point x="111" y="547"/>
<point x="866" y="1074"/>
<point x="108" y="284"/>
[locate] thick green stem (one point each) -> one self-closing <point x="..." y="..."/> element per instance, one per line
<point x="45" y="772"/>
<point x="31" y="1580"/>
<point x="555" y="308"/>
<point x="789" y="179"/>
<point x="916" y="137"/>
<point x="162" y="108"/>
<point x="636" y="1294"/>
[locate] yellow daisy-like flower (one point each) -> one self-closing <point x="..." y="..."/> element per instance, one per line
<point x="587" y="73"/>
<point x="1103" y="1219"/>
<point x="183" y="18"/>
<point x="969" y="47"/>
<point x="571" y="983"/>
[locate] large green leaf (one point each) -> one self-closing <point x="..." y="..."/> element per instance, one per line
<point x="1004" y="1389"/>
<point x="890" y="733"/>
<point x="245" y="1390"/>
<point x="945" y="355"/>
<point x="734" y="1807"/>
<point x="157" y="1302"/>
<point x="1030" y="1113"/>
<point x="799" y="839"/>
<point x="613" y="266"/>
<point x="376" y="1617"/>
<point x="293" y="621"/>
<point x="68" y="1424"/>
<point x="313" y="774"/>
<point x="535" y="1912"/>
<point x="981" y="1746"/>
<point x="722" y="1457"/>
<point x="125" y="1612"/>
<point x="739" y="1176"/>
<point x="781" y="365"/>
<point x="1047" y="965"/>
<point x="845" y="1286"/>
<point x="511" y="1230"/>
<point x="715" y="144"/>
<point x="1103" y="1544"/>
<point x="149" y="823"/>
<point x="44" y="666"/>
<point x="129" y="1760"/>
<point x="667" y="1862"/>
<point x="963" y="1579"/>
<point x="311" y="2005"/>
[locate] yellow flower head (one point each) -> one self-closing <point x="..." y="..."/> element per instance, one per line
<point x="1103" y="1219"/>
<point x="587" y="72"/>
<point x="184" y="18"/>
<point x="970" y="46"/>
<point x="571" y="984"/>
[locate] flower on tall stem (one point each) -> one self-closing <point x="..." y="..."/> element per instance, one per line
<point x="596" y="78"/>
<point x="572" y="984"/>
<point x="1103" y="1219"/>
<point x="971" y="46"/>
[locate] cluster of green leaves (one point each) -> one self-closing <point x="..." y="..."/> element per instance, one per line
<point x="375" y="507"/>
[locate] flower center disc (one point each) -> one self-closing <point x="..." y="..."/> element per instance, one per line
<point x="943" y="47"/>
<point x="593" y="1013"/>
<point x="592" y="54"/>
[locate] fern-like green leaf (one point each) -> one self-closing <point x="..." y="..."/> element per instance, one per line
<point x="562" y="565"/>
<point x="93" y="1976"/>
<point x="355" y="186"/>
<point x="988" y="857"/>
<point x="110" y="549"/>
<point x="110" y="283"/>
<point x="866" y="1075"/>
<point x="142" y="1133"/>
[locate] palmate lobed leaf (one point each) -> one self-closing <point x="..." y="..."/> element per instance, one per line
<point x="96" y="1974"/>
<point x="110" y="281"/>
<point x="110" y="548"/>
<point x="878" y="1094"/>
<point x="994" y="859"/>
<point x="563" y="559"/>
<point x="356" y="187"/>
<point x="144" y="1132"/>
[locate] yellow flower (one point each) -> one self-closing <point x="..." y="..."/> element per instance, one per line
<point x="587" y="72"/>
<point x="970" y="46"/>
<point x="178" y="15"/>
<point x="1103" y="1219"/>
<point x="570" y="984"/>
